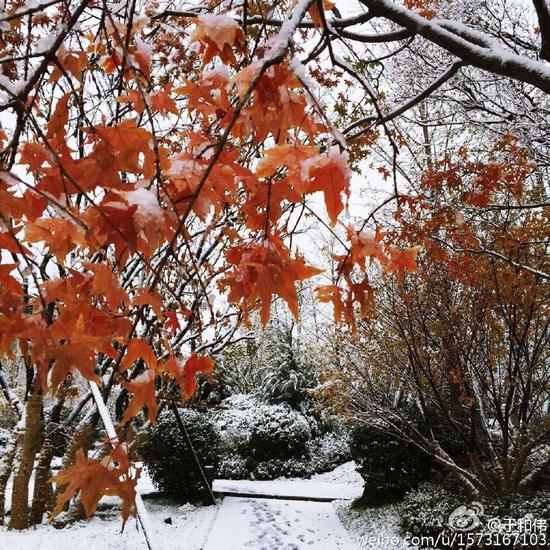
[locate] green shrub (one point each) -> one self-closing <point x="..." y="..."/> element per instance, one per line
<point x="390" y="467"/>
<point x="289" y="378"/>
<point x="169" y="461"/>
<point x="425" y="512"/>
<point x="261" y="441"/>
<point x="277" y="431"/>
<point x="274" y="468"/>
<point x="234" y="467"/>
<point x="328" y="451"/>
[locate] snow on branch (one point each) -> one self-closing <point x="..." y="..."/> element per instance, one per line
<point x="143" y="516"/>
<point x="465" y="44"/>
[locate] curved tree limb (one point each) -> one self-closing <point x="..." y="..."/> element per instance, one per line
<point x="543" y="14"/>
<point x="492" y="59"/>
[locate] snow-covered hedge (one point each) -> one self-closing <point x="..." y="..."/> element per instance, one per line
<point x="328" y="451"/>
<point x="275" y="468"/>
<point x="234" y="466"/>
<point x="263" y="441"/>
<point x="242" y="438"/>
<point x="234" y="417"/>
<point x="277" y="431"/>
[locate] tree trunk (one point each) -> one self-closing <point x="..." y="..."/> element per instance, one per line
<point x="43" y="490"/>
<point x="6" y="464"/>
<point x="30" y="444"/>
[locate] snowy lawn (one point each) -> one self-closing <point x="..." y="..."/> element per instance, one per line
<point x="188" y="528"/>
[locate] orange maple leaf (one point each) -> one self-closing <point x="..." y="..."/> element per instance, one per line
<point x="163" y="103"/>
<point x="263" y="270"/>
<point x="218" y="35"/>
<point x="138" y="348"/>
<point x="60" y="235"/>
<point x="192" y="366"/>
<point x="330" y="174"/>
<point x="184" y="374"/>
<point x="402" y="261"/>
<point x="95" y="479"/>
<point x="143" y="388"/>
<point x="364" y="245"/>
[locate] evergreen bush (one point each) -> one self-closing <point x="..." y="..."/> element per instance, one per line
<point x="170" y="462"/>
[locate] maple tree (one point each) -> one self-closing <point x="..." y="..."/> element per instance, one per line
<point x="156" y="166"/>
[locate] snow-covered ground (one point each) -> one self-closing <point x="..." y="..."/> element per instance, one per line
<point x="345" y="473"/>
<point x="373" y="528"/>
<point x="237" y="523"/>
<point x="341" y="483"/>
<point x="275" y="524"/>
<point x="188" y="530"/>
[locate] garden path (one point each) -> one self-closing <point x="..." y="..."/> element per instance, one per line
<point x="244" y="523"/>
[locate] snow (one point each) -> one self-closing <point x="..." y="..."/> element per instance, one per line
<point x="143" y="49"/>
<point x="45" y="43"/>
<point x="345" y="473"/>
<point x="238" y="523"/>
<point x="188" y="530"/>
<point x="277" y="45"/>
<point x="189" y="523"/>
<point x="220" y="28"/>
<point x="148" y="208"/>
<point x="261" y="524"/>
<point x="218" y="72"/>
<point x="491" y="53"/>
<point x="375" y="528"/>
<point x="289" y="488"/>
<point x="333" y="154"/>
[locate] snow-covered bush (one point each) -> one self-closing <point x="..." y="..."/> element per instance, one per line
<point x="262" y="441"/>
<point x="233" y="466"/>
<point x="426" y="511"/>
<point x="277" y="431"/>
<point x="328" y="451"/>
<point x="234" y="417"/>
<point x="168" y="459"/>
<point x="275" y="467"/>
